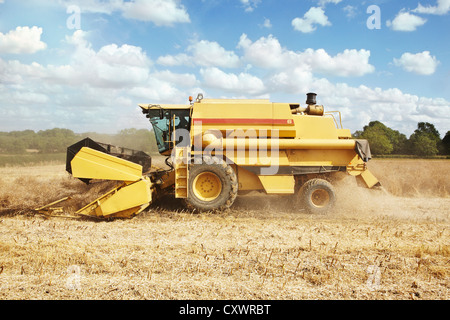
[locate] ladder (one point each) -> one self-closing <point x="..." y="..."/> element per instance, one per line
<point x="181" y="164"/>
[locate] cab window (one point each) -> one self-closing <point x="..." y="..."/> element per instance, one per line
<point x="164" y="122"/>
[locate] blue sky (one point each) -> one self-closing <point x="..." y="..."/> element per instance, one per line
<point x="85" y="65"/>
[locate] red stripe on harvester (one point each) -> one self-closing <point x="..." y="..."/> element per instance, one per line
<point x="245" y="121"/>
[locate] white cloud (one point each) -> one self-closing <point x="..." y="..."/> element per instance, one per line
<point x="311" y="18"/>
<point x="250" y="5"/>
<point x="181" y="59"/>
<point x="350" y="11"/>
<point x="398" y="110"/>
<point x="442" y="7"/>
<point x="93" y="92"/>
<point x="160" y="12"/>
<point x="156" y="91"/>
<point x="267" y="24"/>
<point x="24" y="40"/>
<point x="120" y="68"/>
<point x="405" y="21"/>
<point x="324" y="2"/>
<point x="421" y="63"/>
<point x="295" y="73"/>
<point x="95" y="6"/>
<point x="202" y="53"/>
<point x="97" y="88"/>
<point x="126" y="55"/>
<point x="265" y="52"/>
<point x="268" y="53"/>
<point x="348" y="63"/>
<point x="208" y="53"/>
<point x="242" y="83"/>
<point x="111" y="66"/>
<point x="293" y="81"/>
<point x="182" y="80"/>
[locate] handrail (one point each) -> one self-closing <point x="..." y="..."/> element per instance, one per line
<point x="331" y="113"/>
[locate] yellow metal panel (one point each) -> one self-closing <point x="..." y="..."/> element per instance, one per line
<point x="131" y="196"/>
<point x="356" y="166"/>
<point x="248" y="180"/>
<point x="227" y="109"/>
<point x="344" y="133"/>
<point x="257" y="158"/>
<point x="256" y="116"/>
<point x="320" y="157"/>
<point x="129" y="213"/>
<point x="315" y="127"/>
<point x="278" y="184"/>
<point x="92" y="164"/>
<point x="283" y="111"/>
<point x="369" y="178"/>
<point x="123" y="201"/>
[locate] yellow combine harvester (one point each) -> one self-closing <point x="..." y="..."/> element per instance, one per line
<point x="219" y="149"/>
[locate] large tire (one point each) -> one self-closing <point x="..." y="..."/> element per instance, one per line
<point x="317" y="196"/>
<point x="211" y="186"/>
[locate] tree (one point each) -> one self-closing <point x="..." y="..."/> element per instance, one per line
<point x="429" y="129"/>
<point x="398" y="140"/>
<point x="11" y="145"/>
<point x="423" y="145"/>
<point x="380" y="137"/>
<point x="379" y="143"/>
<point x="425" y="140"/>
<point x="55" y="140"/>
<point x="446" y="144"/>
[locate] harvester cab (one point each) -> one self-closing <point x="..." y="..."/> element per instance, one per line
<point x="165" y="122"/>
<point x="218" y="149"/>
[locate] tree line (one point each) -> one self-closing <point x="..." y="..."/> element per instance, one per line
<point x="425" y="141"/>
<point x="57" y="140"/>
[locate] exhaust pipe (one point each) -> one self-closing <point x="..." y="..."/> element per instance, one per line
<point x="311" y="98"/>
<point x="312" y="109"/>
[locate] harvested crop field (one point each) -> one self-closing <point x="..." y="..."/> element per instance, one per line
<point x="376" y="245"/>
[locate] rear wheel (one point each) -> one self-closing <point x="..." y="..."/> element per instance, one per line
<point x="211" y="187"/>
<point x="317" y="196"/>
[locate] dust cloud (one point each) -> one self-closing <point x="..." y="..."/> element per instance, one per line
<point x="353" y="200"/>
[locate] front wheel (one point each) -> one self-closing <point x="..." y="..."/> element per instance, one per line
<point x="211" y="187"/>
<point x="317" y="196"/>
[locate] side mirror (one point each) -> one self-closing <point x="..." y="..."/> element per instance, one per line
<point x="161" y="114"/>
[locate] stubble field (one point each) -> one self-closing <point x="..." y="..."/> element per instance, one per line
<point x="376" y="245"/>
